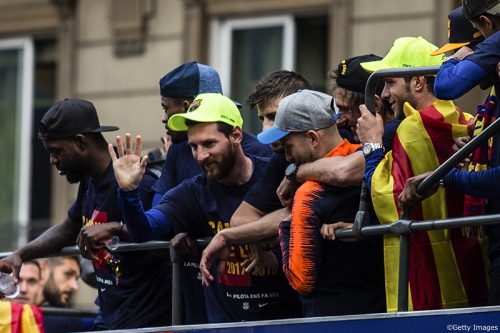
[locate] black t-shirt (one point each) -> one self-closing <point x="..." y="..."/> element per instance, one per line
<point x="202" y="208"/>
<point x="132" y="286"/>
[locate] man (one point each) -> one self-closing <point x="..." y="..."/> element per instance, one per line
<point x="451" y="83"/>
<point x="30" y="283"/>
<point x="263" y="204"/>
<point x="202" y="206"/>
<point x="131" y="292"/>
<point x="332" y="278"/>
<point x="62" y="274"/>
<point x="424" y="137"/>
<point x="178" y="89"/>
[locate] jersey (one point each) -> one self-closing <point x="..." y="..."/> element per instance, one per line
<point x="202" y="208"/>
<point x="131" y="285"/>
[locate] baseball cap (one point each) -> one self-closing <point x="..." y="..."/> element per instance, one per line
<point x="406" y="52"/>
<point x="460" y="32"/>
<point x="351" y="76"/>
<point x="300" y="112"/>
<point x="208" y="108"/>
<point x="474" y="8"/>
<point x="69" y="117"/>
<point x="189" y="80"/>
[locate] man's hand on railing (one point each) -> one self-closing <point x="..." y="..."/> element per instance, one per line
<point x="129" y="167"/>
<point x="11" y="264"/>
<point x="217" y="250"/>
<point x="409" y="196"/>
<point x="184" y="245"/>
<point x="259" y="259"/>
<point x="459" y="143"/>
<point x="328" y="230"/>
<point x="92" y="238"/>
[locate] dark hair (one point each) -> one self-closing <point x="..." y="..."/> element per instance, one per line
<point x="355" y="99"/>
<point x="224" y="128"/>
<point x="37" y="264"/>
<point x="277" y="84"/>
<point x="57" y="261"/>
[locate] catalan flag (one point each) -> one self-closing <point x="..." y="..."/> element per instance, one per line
<point x="447" y="269"/>
<point x="20" y="318"/>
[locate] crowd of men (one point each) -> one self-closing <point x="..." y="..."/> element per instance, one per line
<point x="299" y="180"/>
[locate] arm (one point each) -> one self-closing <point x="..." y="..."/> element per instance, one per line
<point x="483" y="184"/>
<point x="245" y="213"/>
<point x="455" y="78"/>
<point x="335" y="171"/>
<point x="301" y="241"/>
<point x="218" y="248"/>
<point x="52" y="240"/>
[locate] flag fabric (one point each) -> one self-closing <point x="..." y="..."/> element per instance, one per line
<point x="20" y="318"/>
<point x="446" y="269"/>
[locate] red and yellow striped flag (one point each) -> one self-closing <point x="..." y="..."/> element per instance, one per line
<point x="447" y="269"/>
<point x="20" y="318"/>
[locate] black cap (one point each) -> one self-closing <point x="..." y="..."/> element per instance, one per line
<point x="460" y="32"/>
<point x="474" y="8"/>
<point x="351" y="76"/>
<point x="69" y="117"/>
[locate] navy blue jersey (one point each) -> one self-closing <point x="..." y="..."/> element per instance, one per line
<point x="202" y="208"/>
<point x="131" y="285"/>
<point x="180" y="164"/>
<point x="263" y="195"/>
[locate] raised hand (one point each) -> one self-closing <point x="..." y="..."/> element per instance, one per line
<point x="129" y="167"/>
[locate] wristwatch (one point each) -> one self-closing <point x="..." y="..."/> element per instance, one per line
<point x="369" y="148"/>
<point x="291" y="172"/>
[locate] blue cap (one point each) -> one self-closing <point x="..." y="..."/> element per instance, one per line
<point x="189" y="80"/>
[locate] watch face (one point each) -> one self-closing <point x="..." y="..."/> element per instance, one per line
<point x="367" y="149"/>
<point x="290" y="169"/>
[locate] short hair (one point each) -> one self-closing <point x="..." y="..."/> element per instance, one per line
<point x="35" y="263"/>
<point x="277" y="84"/>
<point x="224" y="128"/>
<point x="57" y="261"/>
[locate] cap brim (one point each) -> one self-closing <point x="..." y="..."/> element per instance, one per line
<point x="373" y="66"/>
<point x="448" y="47"/>
<point x="106" y="129"/>
<point x="178" y="121"/>
<point x="271" y="135"/>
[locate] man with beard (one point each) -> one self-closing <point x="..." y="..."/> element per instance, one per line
<point x="62" y="281"/>
<point x="202" y="206"/>
<point x="129" y="284"/>
<point x="178" y="89"/>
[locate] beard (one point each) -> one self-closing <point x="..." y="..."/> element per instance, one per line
<point x="53" y="296"/>
<point x="219" y="168"/>
<point x="74" y="177"/>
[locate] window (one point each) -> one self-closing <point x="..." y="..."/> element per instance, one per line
<point x="246" y="49"/>
<point x="16" y="90"/>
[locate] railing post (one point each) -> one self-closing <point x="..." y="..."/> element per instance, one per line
<point x="176" y="287"/>
<point x="404" y="245"/>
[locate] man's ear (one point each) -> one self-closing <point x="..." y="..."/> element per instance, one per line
<point x="186" y="104"/>
<point x="313" y="136"/>
<point x="236" y="135"/>
<point x="419" y="83"/>
<point x="81" y="141"/>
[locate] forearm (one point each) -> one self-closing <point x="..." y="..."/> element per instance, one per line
<point x="244" y="214"/>
<point x="372" y="161"/>
<point x="334" y="171"/>
<point x="142" y="226"/>
<point x="483" y="184"/>
<point x="264" y="227"/>
<point x="455" y="78"/>
<point x="52" y="240"/>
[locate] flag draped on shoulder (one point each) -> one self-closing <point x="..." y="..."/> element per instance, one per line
<point x="20" y="318"/>
<point x="447" y="269"/>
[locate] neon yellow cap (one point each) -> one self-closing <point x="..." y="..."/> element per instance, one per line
<point x="406" y="52"/>
<point x="208" y="108"/>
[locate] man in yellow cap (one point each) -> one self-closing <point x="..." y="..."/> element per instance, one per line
<point x="443" y="264"/>
<point x="203" y="205"/>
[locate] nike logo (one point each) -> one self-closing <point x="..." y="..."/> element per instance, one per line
<point x="103" y="289"/>
<point x="262" y="305"/>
